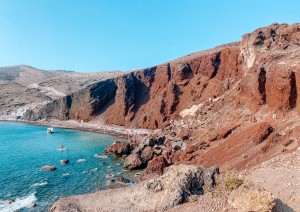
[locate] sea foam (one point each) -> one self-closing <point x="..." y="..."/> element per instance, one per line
<point x="39" y="184"/>
<point x="20" y="202"/>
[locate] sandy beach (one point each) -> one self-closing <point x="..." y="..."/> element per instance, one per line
<point x="113" y="130"/>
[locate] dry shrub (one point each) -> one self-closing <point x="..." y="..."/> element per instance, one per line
<point x="226" y="183"/>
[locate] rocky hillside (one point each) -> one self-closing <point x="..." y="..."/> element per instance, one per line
<point x="260" y="72"/>
<point x="24" y="87"/>
<point x="233" y="106"/>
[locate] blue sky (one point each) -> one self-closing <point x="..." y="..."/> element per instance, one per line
<point x="99" y="35"/>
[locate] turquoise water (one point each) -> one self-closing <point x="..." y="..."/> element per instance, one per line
<point x="24" y="149"/>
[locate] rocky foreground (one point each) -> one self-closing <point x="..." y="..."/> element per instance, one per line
<point x="188" y="188"/>
<point x="271" y="186"/>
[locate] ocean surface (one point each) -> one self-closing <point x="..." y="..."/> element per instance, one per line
<point x="24" y="149"/>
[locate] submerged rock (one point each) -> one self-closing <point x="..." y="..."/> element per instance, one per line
<point x="48" y="168"/>
<point x="109" y="175"/>
<point x="81" y="160"/>
<point x="97" y="155"/>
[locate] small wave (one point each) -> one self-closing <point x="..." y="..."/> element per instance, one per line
<point x="62" y="149"/>
<point x="93" y="170"/>
<point x="18" y="203"/>
<point x="39" y="184"/>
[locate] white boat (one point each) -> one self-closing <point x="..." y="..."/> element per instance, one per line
<point x="50" y="130"/>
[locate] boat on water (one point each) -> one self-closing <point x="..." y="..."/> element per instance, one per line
<point x="50" y="130"/>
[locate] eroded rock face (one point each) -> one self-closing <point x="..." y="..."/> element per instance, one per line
<point x="172" y="188"/>
<point x="238" y="95"/>
<point x="82" y="105"/>
<point x="149" y="97"/>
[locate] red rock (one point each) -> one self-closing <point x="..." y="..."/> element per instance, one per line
<point x="184" y="134"/>
<point x="156" y="165"/>
<point x="120" y="148"/>
<point x="241" y="85"/>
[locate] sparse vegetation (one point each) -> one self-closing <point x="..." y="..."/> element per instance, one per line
<point x="233" y="182"/>
<point x="227" y="183"/>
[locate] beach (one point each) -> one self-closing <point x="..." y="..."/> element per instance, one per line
<point x="113" y="130"/>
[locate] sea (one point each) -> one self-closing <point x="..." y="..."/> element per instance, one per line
<point x="24" y="149"/>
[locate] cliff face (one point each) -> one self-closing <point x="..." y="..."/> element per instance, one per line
<point x="271" y="63"/>
<point x="260" y="72"/>
<point x="81" y="105"/>
<point x="149" y="97"/>
<point x="233" y="106"/>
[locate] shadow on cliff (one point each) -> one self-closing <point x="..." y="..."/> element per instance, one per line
<point x="142" y="91"/>
<point x="98" y="110"/>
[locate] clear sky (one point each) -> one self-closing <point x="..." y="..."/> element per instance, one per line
<point x="99" y="35"/>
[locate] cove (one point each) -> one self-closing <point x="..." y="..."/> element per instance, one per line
<point x="24" y="149"/>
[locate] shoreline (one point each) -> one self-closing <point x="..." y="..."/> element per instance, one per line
<point x="112" y="130"/>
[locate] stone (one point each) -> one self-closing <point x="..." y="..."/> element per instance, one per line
<point x="154" y="185"/>
<point x="97" y="155"/>
<point x="122" y="179"/>
<point x="120" y="148"/>
<point x="32" y="205"/>
<point x="147" y="153"/>
<point x="252" y="199"/>
<point x="157" y="150"/>
<point x="184" y="134"/>
<point x="64" y="161"/>
<point x="157" y="165"/>
<point x="48" y="168"/>
<point x="133" y="161"/>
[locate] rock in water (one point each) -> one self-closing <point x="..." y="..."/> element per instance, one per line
<point x="64" y="161"/>
<point x="122" y="179"/>
<point x="97" y="155"/>
<point x="48" y="168"/>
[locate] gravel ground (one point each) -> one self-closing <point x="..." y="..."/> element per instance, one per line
<point x="280" y="176"/>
